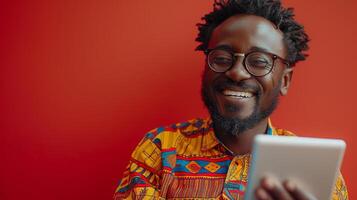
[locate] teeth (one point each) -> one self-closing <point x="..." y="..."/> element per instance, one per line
<point x="237" y="94"/>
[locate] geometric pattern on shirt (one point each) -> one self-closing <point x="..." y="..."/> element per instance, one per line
<point x="168" y="157"/>
<point x="204" y="166"/>
<point x="234" y="189"/>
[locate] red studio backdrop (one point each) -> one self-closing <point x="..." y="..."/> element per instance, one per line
<point x="82" y="81"/>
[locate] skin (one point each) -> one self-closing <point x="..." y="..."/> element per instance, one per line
<point x="245" y="33"/>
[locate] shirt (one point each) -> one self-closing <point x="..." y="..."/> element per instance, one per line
<point x="187" y="161"/>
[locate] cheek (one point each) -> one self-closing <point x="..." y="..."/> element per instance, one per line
<point x="271" y="82"/>
<point x="270" y="89"/>
<point x="266" y="84"/>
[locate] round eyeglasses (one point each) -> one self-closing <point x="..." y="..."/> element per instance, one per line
<point x="257" y="63"/>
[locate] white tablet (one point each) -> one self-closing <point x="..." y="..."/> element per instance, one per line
<point x="312" y="163"/>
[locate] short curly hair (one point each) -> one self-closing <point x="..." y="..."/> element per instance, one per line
<point x="295" y="38"/>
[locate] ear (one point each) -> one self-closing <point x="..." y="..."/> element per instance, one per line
<point x="285" y="82"/>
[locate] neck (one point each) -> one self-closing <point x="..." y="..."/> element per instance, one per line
<point x="242" y="143"/>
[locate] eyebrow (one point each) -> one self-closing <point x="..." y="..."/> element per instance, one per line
<point x="259" y="49"/>
<point x="230" y="48"/>
<point x="225" y="47"/>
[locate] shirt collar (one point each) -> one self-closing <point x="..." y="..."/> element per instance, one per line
<point x="210" y="140"/>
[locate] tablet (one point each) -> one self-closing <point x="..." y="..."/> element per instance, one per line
<point x="313" y="163"/>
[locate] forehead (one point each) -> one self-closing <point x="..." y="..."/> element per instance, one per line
<point x="246" y="32"/>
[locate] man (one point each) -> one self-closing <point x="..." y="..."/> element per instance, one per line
<point x="251" y="47"/>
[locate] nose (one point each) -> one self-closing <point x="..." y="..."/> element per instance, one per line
<point x="238" y="72"/>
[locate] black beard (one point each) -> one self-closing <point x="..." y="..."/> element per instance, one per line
<point x="236" y="126"/>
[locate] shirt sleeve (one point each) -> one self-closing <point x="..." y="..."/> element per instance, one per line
<point x="142" y="175"/>
<point x="340" y="191"/>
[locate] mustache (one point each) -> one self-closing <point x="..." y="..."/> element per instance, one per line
<point x="227" y="83"/>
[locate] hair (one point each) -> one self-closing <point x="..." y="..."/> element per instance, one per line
<point x="295" y="38"/>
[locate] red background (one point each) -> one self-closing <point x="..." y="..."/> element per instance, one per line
<point x="82" y="81"/>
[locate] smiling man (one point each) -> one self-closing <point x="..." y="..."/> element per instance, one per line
<point x="251" y="47"/>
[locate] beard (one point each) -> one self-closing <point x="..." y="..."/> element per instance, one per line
<point x="236" y="126"/>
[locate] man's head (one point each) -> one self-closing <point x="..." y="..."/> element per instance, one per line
<point x="251" y="46"/>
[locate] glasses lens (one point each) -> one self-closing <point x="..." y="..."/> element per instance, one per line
<point x="259" y="63"/>
<point x="220" y="60"/>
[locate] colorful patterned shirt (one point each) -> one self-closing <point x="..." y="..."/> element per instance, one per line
<point x="186" y="161"/>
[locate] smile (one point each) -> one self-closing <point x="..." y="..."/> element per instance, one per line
<point x="237" y="94"/>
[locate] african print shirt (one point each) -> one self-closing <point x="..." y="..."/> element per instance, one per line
<point x="186" y="161"/>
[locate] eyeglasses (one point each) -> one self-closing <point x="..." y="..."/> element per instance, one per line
<point x="257" y="63"/>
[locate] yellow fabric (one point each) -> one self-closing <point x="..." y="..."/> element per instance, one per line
<point x="186" y="160"/>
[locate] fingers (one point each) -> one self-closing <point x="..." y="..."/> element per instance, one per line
<point x="272" y="189"/>
<point x="261" y="194"/>
<point x="275" y="189"/>
<point x="296" y="192"/>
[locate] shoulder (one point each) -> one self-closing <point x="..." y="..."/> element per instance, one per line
<point x="282" y="132"/>
<point x="166" y="139"/>
<point x="165" y="136"/>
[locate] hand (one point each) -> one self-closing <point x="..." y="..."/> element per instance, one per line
<point x="272" y="189"/>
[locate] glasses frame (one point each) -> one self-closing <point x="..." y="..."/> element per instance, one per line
<point x="235" y="55"/>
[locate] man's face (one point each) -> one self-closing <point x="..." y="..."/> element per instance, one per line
<point x="237" y="100"/>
